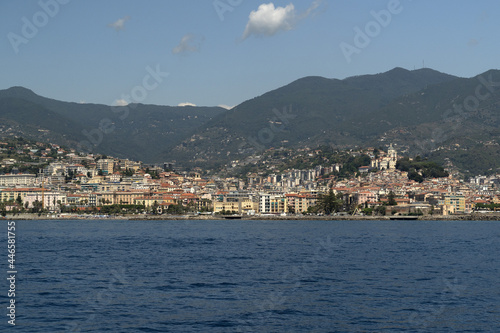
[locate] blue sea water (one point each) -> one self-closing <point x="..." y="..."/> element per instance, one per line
<point x="255" y="276"/>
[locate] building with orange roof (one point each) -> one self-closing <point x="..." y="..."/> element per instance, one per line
<point x="302" y="202"/>
<point x="121" y="197"/>
<point x="149" y="201"/>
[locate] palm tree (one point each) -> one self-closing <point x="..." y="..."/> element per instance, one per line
<point x="329" y="203"/>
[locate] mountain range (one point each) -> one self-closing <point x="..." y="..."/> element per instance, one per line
<point x="437" y="115"/>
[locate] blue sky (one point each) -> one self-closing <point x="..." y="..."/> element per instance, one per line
<point x="223" y="52"/>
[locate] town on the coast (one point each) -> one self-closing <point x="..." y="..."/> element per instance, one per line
<point x="47" y="180"/>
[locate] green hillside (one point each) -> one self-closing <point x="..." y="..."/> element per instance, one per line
<point x="308" y="111"/>
<point x="137" y="131"/>
<point x="24" y="118"/>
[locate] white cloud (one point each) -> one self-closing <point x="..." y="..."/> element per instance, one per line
<point x="310" y="10"/>
<point x="121" y="102"/>
<point x="268" y="20"/>
<point x="189" y="43"/>
<point x="227" y="107"/>
<point x="186" y="104"/>
<point x="119" y="24"/>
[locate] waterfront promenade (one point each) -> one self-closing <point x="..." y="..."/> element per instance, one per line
<point x="493" y="216"/>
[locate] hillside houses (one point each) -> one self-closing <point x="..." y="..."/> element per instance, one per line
<point x="69" y="181"/>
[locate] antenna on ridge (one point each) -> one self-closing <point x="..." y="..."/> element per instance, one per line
<point x="423" y="63"/>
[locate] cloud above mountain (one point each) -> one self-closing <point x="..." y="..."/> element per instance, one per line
<point x="186" y="104"/>
<point x="120" y="102"/>
<point x="227" y="107"/>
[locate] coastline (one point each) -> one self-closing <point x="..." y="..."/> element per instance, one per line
<point x="494" y="216"/>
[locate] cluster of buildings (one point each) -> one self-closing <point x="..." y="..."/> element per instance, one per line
<point x="85" y="182"/>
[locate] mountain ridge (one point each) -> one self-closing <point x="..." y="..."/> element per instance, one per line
<point x="400" y="105"/>
<point x="316" y="102"/>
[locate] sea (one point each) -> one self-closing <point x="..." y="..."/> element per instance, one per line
<point x="253" y="276"/>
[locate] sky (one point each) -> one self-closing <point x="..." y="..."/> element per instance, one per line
<point x="223" y="52"/>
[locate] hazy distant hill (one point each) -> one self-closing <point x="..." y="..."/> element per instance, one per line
<point x="137" y="131"/>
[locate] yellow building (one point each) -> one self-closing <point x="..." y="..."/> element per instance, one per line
<point x="12" y="194"/>
<point x="243" y="206"/>
<point x="150" y="201"/>
<point x="121" y="198"/>
<point x="457" y="201"/>
<point x="278" y="205"/>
